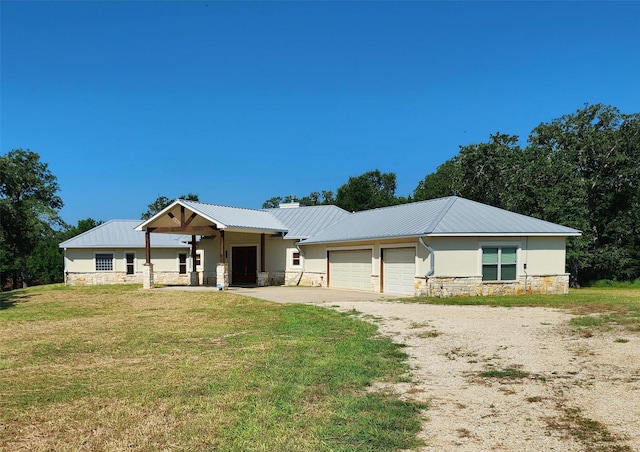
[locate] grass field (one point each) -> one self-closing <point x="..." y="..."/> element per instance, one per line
<point x="115" y="368"/>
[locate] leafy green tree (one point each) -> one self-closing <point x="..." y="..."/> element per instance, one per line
<point x="82" y="226"/>
<point x="162" y="201"/>
<point x="28" y="206"/>
<point x="313" y="199"/>
<point x="581" y="170"/>
<point x="272" y="203"/>
<point x="439" y="184"/>
<point x="368" y="191"/>
<point x="593" y="184"/>
<point x="46" y="261"/>
<point x="327" y="197"/>
<point x="485" y="172"/>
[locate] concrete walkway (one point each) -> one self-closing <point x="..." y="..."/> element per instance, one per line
<point x="286" y="294"/>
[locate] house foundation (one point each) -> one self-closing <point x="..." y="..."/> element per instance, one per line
<point x="445" y="287"/>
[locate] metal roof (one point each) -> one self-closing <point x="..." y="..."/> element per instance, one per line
<point x="228" y="217"/>
<point x="451" y="216"/>
<point x="123" y="234"/>
<point x="306" y="221"/>
<point x="468" y="217"/>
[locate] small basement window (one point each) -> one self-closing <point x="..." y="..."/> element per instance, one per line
<point x="499" y="263"/>
<point x="104" y="262"/>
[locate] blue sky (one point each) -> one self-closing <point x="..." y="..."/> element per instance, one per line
<point x="239" y="101"/>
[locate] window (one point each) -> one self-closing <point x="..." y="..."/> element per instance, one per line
<point x="182" y="263"/>
<point x="104" y="262"/>
<point x="198" y="260"/>
<point x="296" y="259"/>
<point x="130" y="258"/>
<point x="499" y="263"/>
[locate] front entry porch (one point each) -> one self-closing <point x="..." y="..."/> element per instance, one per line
<point x="243" y="246"/>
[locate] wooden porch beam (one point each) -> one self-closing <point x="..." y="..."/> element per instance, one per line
<point x="147" y="246"/>
<point x="262" y="256"/>
<point x="190" y="219"/>
<point x="193" y="252"/>
<point x="173" y="218"/>
<point x="187" y="229"/>
<point x="221" y="257"/>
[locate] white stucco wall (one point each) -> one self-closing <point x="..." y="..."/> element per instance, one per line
<point x="461" y="256"/>
<point x="83" y="260"/>
<point x="458" y="264"/>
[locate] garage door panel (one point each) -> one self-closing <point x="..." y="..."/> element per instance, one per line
<point x="399" y="270"/>
<point x="350" y="269"/>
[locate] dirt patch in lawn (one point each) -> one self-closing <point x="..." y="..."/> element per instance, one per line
<point x="514" y="378"/>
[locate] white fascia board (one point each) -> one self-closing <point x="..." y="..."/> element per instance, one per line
<point x="143" y="226"/>
<point x="464" y="234"/>
<point x="252" y="230"/>
<point x="363" y="239"/>
<point x="178" y="245"/>
<point x="507" y="234"/>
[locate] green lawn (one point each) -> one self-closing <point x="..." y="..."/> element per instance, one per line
<point x="114" y="368"/>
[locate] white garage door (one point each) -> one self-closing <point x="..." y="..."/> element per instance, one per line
<point x="350" y="269"/>
<point x="399" y="270"/>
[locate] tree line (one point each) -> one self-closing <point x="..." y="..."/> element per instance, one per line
<point x="31" y="228"/>
<point x="581" y="170"/>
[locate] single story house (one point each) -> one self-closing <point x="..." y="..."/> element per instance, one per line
<point x="441" y="247"/>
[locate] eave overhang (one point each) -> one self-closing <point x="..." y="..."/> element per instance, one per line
<point x="450" y="234"/>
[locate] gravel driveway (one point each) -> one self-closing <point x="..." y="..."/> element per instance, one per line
<point x="511" y="379"/>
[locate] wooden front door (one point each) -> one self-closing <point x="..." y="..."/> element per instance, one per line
<point x="244" y="265"/>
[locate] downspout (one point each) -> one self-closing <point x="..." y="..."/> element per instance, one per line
<point x="526" y="259"/>
<point x="303" y="263"/>
<point x="65" y="266"/>
<point x="433" y="262"/>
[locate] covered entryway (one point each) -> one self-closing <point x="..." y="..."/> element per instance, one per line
<point x="244" y="265"/>
<point x="398" y="270"/>
<point x="350" y="269"/>
<point x="210" y="221"/>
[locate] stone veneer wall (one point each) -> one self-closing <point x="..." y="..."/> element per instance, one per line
<point x="444" y="287"/>
<point x="312" y="279"/>
<point x="100" y="278"/>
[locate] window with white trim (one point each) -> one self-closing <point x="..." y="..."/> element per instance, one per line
<point x="499" y="263"/>
<point x="295" y="259"/>
<point x="104" y="262"/>
<point x="130" y="263"/>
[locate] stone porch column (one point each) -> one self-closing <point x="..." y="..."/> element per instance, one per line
<point x="147" y="276"/>
<point x="263" y="279"/>
<point x="222" y="275"/>
<point x="194" y="279"/>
